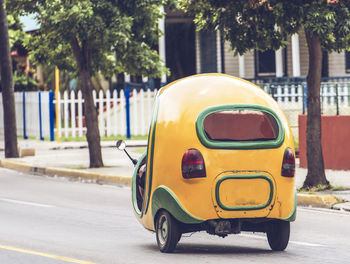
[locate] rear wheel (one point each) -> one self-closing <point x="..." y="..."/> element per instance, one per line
<point x="179" y="237"/>
<point x="278" y="235"/>
<point x="167" y="232"/>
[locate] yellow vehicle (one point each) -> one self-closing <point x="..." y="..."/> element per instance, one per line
<point x="220" y="158"/>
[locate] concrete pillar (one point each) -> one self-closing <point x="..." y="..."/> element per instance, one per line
<point x="161" y="43"/>
<point x="279" y="63"/>
<point x="218" y="52"/>
<point x="241" y="66"/>
<point x="295" y="55"/>
<point x="198" y="52"/>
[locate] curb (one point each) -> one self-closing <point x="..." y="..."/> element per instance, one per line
<point x="314" y="200"/>
<point x="102" y="146"/>
<point x="78" y="175"/>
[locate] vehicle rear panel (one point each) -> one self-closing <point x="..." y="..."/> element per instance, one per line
<point x="239" y="183"/>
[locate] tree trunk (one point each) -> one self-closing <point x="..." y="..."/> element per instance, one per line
<point x="93" y="133"/>
<point x="316" y="174"/>
<point x="120" y="82"/>
<point x="81" y="54"/>
<point x="10" y="129"/>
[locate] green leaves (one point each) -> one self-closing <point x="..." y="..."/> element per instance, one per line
<point x="105" y="30"/>
<point x="267" y="24"/>
<point x="16" y="33"/>
<point x="319" y="20"/>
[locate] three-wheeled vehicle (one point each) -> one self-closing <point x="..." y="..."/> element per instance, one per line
<point x="220" y="158"/>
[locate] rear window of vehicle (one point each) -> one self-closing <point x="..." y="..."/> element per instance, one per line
<point x="241" y="125"/>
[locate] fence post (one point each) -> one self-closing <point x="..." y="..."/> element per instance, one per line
<point x="337" y="98"/>
<point x="52" y="121"/>
<point x="108" y="113"/>
<point x="346" y="94"/>
<point x="58" y="117"/>
<point x="304" y="98"/>
<point x="272" y="91"/>
<point x="142" y="98"/>
<point x="115" y="118"/>
<point x="135" y="100"/>
<point x="266" y="88"/>
<point x="278" y="93"/>
<point x="40" y="119"/>
<point x="127" y="108"/>
<point x="324" y="97"/>
<point x="300" y="95"/>
<point x="122" y="113"/>
<point x="80" y="114"/>
<point x="65" y="109"/>
<point x="24" y="116"/>
<point x="149" y="107"/>
<point x="72" y="113"/>
<point x="101" y="113"/>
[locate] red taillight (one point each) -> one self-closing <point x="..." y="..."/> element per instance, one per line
<point x="288" y="164"/>
<point x="192" y="165"/>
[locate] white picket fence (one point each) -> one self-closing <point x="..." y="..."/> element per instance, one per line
<point x="36" y="119"/>
<point x="111" y="110"/>
<point x="32" y="114"/>
<point x="335" y="98"/>
<point x="293" y="96"/>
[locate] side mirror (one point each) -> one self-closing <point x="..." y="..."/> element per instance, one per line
<point x="121" y="145"/>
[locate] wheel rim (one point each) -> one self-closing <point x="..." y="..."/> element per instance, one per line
<point x="162" y="230"/>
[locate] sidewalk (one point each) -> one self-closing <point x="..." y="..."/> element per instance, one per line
<point x="71" y="159"/>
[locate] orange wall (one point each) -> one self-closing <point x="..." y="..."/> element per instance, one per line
<point x="335" y="142"/>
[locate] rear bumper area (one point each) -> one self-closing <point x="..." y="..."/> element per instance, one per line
<point x="224" y="227"/>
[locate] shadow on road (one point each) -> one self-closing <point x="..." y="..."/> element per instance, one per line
<point x="189" y="248"/>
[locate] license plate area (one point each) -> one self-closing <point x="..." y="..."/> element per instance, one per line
<point x="243" y="194"/>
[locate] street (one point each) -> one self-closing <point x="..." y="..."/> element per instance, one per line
<point x="53" y="220"/>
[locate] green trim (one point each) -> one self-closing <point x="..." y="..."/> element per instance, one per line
<point x="242" y="177"/>
<point x="293" y="215"/>
<point x="133" y="186"/>
<point x="150" y="150"/>
<point x="164" y="198"/>
<point x="275" y="143"/>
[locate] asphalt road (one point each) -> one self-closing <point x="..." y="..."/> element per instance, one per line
<point x="48" y="220"/>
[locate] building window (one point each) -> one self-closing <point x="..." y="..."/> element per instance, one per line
<point x="347" y="61"/>
<point x="208" y="51"/>
<point x="180" y="48"/>
<point x="265" y="63"/>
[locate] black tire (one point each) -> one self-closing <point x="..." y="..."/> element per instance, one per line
<point x="179" y="237"/>
<point x="167" y="232"/>
<point x="278" y="235"/>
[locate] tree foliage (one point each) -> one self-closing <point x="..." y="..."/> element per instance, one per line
<point x="120" y="34"/>
<point x="16" y="33"/>
<point x="262" y="25"/>
<point x="267" y="24"/>
<point x="94" y="36"/>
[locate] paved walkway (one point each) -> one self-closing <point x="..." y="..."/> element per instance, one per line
<point x="71" y="159"/>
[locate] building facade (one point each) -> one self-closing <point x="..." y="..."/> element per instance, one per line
<point x="188" y="52"/>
